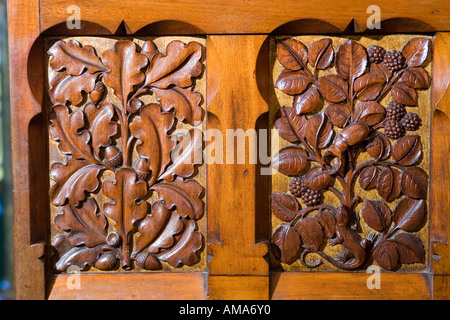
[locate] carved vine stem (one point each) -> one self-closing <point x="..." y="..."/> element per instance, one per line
<point x="363" y="78"/>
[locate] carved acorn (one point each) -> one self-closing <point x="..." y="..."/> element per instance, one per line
<point x="97" y="94"/>
<point x="135" y="104"/>
<point x="147" y="261"/>
<point x="107" y="261"/>
<point x="113" y="239"/>
<point x="350" y="136"/>
<point x="142" y="169"/>
<point x="113" y="156"/>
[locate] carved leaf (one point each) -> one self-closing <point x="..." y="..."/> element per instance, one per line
<point x="151" y="129"/>
<point x="184" y="102"/>
<point x="377" y="215"/>
<point x="338" y="114"/>
<point x="333" y="88"/>
<point x="185" y="156"/>
<point x="409" y="214"/>
<point x="386" y="255"/>
<point x="307" y="102"/>
<point x="389" y="184"/>
<point x="177" y="67"/>
<point x="414" y="182"/>
<point x="371" y="112"/>
<point x="285" y="207"/>
<point x="368" y="86"/>
<point x="317" y="178"/>
<point x="290" y="126"/>
<point x="416" y="78"/>
<point x="184" y="252"/>
<point x="327" y="221"/>
<point x="368" y="177"/>
<point x="292" y="82"/>
<point x="407" y="150"/>
<point x="184" y="195"/>
<point x="311" y="233"/>
<point x="125" y="66"/>
<point x="410" y="248"/>
<point x="72" y="180"/>
<point x="82" y="257"/>
<point x="403" y="94"/>
<point x="166" y="238"/>
<point x="288" y="242"/>
<point x="321" y="53"/>
<point x="86" y="226"/>
<point x="380" y="70"/>
<point x="75" y="58"/>
<point x="292" y="54"/>
<point x="416" y="51"/>
<point x="67" y="88"/>
<point x="290" y="160"/>
<point x="101" y="126"/>
<point x="127" y="207"/>
<point x="319" y="131"/>
<point x="379" y="147"/>
<point x="150" y="49"/>
<point x="351" y="60"/>
<point x="65" y="128"/>
<point x="158" y="229"/>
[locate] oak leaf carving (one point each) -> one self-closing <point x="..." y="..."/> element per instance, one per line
<point x="125" y="66"/>
<point x="177" y="66"/>
<point x="75" y="58"/>
<point x="86" y="226"/>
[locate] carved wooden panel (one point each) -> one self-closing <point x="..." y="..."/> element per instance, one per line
<point x="352" y="182"/>
<point x="125" y="124"/>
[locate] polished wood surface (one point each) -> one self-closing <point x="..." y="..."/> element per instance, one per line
<point x="156" y="286"/>
<point x="29" y="208"/>
<point x="440" y="140"/>
<point x="251" y="17"/>
<point x="349" y="286"/>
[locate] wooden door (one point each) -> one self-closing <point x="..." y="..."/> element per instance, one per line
<point x="141" y="137"/>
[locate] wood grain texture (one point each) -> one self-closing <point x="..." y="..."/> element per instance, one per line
<point x="238" y="287"/>
<point x="231" y="186"/>
<point x="441" y="287"/>
<point x="352" y="286"/>
<point x="156" y="286"/>
<point x="440" y="177"/>
<point x="26" y="102"/>
<point x="236" y="16"/>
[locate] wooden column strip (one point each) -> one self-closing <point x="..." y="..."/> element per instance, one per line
<point x="440" y="164"/>
<point x="235" y="104"/>
<point x="29" y="271"/>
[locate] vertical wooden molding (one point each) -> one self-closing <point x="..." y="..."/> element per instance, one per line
<point x="231" y="189"/>
<point x="29" y="271"/>
<point x="439" y="174"/>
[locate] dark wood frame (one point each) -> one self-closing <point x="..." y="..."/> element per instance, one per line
<point x="246" y="26"/>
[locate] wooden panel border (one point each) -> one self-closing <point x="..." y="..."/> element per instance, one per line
<point x="440" y="167"/>
<point x="349" y="286"/>
<point x="111" y="286"/>
<point x="242" y="17"/>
